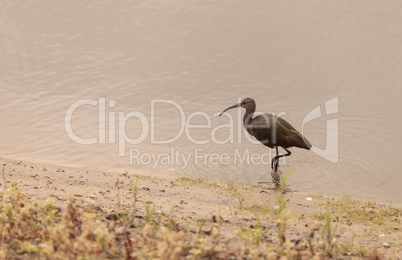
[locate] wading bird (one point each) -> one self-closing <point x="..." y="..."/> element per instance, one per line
<point x="271" y="130"/>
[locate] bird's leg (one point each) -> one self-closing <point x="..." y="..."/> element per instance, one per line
<point x="279" y="156"/>
<point x="273" y="162"/>
<point x="275" y="176"/>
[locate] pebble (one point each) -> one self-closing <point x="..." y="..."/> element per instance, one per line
<point x="386" y="245"/>
<point x="121" y="230"/>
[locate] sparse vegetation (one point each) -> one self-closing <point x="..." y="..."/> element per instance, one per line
<point x="137" y="230"/>
<point x="39" y="229"/>
<point x="261" y="210"/>
<point x="358" y="211"/>
<point x="328" y="242"/>
<point x="229" y="188"/>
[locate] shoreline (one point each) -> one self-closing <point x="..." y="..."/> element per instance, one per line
<point x="117" y="172"/>
<point x="193" y="200"/>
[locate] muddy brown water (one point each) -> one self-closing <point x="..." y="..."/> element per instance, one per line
<point x="192" y="59"/>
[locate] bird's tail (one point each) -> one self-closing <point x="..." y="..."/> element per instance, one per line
<point x="300" y="141"/>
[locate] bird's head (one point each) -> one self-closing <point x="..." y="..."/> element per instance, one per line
<point x="247" y="103"/>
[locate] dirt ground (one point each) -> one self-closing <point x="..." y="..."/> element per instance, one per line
<point x="194" y="199"/>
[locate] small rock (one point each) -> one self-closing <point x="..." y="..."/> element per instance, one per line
<point x="121" y="231"/>
<point x="386" y="245"/>
<point x="92" y="196"/>
<point x="111" y="217"/>
<point x="309" y="198"/>
<point x="217" y="219"/>
<point x="298" y="204"/>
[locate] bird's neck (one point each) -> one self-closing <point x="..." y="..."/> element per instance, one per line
<point x="248" y="116"/>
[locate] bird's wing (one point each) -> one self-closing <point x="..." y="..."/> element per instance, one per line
<point x="284" y="123"/>
<point x="299" y="140"/>
<point x="289" y="136"/>
<point x="260" y="127"/>
<point x="275" y="131"/>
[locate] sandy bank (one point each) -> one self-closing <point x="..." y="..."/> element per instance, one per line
<point x="371" y="226"/>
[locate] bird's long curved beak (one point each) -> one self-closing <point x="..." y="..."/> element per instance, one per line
<point x="234" y="106"/>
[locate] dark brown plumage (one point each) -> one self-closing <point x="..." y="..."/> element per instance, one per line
<point x="271" y="130"/>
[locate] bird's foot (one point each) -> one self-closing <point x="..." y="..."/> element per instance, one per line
<point x="276" y="178"/>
